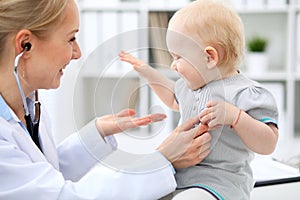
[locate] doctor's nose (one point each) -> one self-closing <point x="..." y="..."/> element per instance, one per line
<point x="76" y="51"/>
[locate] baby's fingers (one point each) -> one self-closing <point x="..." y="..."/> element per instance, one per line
<point x="125" y="56"/>
<point x="205" y="119"/>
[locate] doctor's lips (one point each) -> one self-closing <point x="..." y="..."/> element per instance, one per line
<point x="63" y="69"/>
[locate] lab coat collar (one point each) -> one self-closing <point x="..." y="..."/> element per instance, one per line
<point x="4" y="110"/>
<point x="8" y="114"/>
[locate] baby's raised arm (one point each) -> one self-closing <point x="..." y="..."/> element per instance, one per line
<point x="160" y="84"/>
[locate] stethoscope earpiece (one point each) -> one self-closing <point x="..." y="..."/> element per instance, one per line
<point x="27" y="46"/>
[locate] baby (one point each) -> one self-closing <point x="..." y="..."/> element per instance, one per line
<point x="206" y="41"/>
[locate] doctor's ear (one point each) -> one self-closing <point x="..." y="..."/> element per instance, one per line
<point x="23" y="40"/>
<point x="212" y="57"/>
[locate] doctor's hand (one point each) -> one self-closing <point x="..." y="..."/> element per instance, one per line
<point x="124" y="120"/>
<point x="186" y="146"/>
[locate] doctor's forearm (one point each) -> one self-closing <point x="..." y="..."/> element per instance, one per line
<point x="85" y="146"/>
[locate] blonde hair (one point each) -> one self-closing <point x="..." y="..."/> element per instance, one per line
<point x="38" y="16"/>
<point x="213" y="23"/>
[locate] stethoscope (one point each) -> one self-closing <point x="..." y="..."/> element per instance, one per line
<point x="32" y="126"/>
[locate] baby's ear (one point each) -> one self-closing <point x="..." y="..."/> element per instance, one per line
<point x="212" y="57"/>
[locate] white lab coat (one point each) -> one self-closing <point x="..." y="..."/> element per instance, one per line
<point x="76" y="169"/>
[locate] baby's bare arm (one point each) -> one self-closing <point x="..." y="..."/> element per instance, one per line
<point x="160" y="84"/>
<point x="257" y="136"/>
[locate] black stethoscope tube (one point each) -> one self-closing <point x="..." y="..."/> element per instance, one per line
<point x="32" y="126"/>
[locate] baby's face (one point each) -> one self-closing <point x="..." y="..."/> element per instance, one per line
<point x="189" y="58"/>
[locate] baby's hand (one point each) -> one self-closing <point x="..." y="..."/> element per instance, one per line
<point x="135" y="62"/>
<point x="218" y="113"/>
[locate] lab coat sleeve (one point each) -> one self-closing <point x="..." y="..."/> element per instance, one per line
<point x="23" y="179"/>
<point x="146" y="177"/>
<point x="115" y="174"/>
<point x="82" y="150"/>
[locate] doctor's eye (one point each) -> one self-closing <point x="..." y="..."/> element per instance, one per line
<point x="73" y="39"/>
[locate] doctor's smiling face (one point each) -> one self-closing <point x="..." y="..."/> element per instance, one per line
<point x="48" y="57"/>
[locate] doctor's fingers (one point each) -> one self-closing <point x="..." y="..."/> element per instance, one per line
<point x="123" y="113"/>
<point x="204" y="144"/>
<point x="195" y="153"/>
<point x="202" y="128"/>
<point x="125" y="123"/>
<point x="126" y="113"/>
<point x="201" y="146"/>
<point x="129" y="123"/>
<point x="177" y="144"/>
<point x="202" y="140"/>
<point x="157" y="117"/>
<point x="188" y="125"/>
<point x="188" y="159"/>
<point x="142" y="120"/>
<point x="111" y="126"/>
<point x="197" y="146"/>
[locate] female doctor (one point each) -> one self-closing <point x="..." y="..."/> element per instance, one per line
<point x="37" y="43"/>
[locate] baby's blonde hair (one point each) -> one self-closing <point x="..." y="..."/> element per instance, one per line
<point x="212" y="23"/>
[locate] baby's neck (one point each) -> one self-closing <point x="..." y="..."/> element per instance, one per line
<point x="228" y="74"/>
<point x="224" y="72"/>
